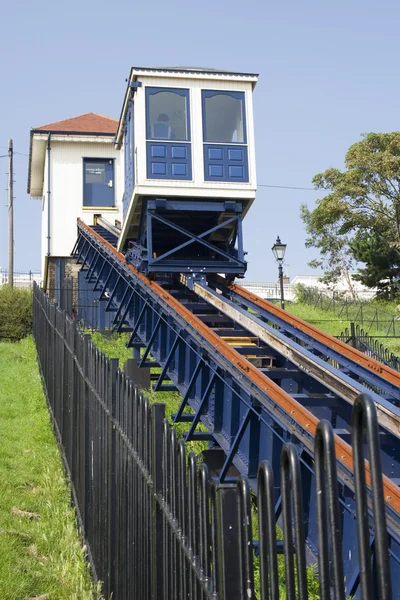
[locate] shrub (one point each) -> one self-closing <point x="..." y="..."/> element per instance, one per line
<point x="301" y="293"/>
<point x="15" y="313"/>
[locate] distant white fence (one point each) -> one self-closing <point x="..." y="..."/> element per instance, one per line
<point x="21" y="279"/>
<point x="272" y="290"/>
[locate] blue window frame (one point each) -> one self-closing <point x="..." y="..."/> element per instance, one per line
<point x="224" y="117"/>
<point x="168" y="146"/>
<point x="167" y="114"/>
<point x="225" y="136"/>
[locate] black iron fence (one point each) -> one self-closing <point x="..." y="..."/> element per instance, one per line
<point x="369" y="345"/>
<point x="157" y="526"/>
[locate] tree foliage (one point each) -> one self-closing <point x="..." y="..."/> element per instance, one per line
<point x="360" y="213"/>
<point x="380" y="261"/>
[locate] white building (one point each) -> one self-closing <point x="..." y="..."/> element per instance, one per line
<point x="76" y="171"/>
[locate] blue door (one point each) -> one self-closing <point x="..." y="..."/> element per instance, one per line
<point x="98" y="182"/>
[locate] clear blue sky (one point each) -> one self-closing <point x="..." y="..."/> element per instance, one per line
<point x="328" y="72"/>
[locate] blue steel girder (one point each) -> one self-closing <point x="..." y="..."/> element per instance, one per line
<point x="241" y="416"/>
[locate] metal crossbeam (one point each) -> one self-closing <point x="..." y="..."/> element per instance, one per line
<point x="192" y="237"/>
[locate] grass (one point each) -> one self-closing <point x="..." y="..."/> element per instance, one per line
<point x="40" y="555"/>
<point x="329" y="321"/>
<point x="325" y="320"/>
<point x="114" y="347"/>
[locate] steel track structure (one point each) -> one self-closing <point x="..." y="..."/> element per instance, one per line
<point x="252" y="391"/>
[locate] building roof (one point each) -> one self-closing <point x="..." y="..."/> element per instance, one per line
<point x="188" y="70"/>
<point x="90" y="126"/>
<point x="88" y="123"/>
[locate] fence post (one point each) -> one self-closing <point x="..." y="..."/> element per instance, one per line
<point x="229" y="577"/>
<point x="353" y="335"/>
<point x="112" y="504"/>
<point x="291" y="490"/>
<point x="157" y="434"/>
<point x="245" y="539"/>
<point x="365" y="415"/>
<point x="269" y="579"/>
<point x="87" y="459"/>
<point x="328" y="512"/>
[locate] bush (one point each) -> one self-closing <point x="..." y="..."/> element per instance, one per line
<point x="15" y="313"/>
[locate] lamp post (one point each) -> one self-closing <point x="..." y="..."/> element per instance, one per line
<point x="279" y="250"/>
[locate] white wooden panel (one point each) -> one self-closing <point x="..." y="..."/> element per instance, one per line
<point x="67" y="192"/>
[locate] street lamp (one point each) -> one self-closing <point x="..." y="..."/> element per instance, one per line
<point x="279" y="250"/>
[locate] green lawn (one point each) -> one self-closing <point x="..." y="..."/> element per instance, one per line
<point x="325" y="320"/>
<point x="329" y="321"/>
<point x="40" y="555"/>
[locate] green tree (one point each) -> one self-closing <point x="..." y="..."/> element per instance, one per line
<point x="381" y="261"/>
<point x="335" y="256"/>
<point x="363" y="200"/>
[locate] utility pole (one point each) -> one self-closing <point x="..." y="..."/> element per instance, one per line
<point x="10" y="216"/>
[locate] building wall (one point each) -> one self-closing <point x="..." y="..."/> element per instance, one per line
<point x="66" y="199"/>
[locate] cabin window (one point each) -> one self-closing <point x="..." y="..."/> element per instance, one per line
<point x="167" y="114"/>
<point x="168" y="147"/>
<point x="224" y="117"/>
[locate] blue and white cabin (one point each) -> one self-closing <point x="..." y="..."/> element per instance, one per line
<point x="190" y="170"/>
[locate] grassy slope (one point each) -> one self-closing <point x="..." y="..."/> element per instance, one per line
<point x="114" y="347"/>
<point x="36" y="556"/>
<point x="328" y="321"/>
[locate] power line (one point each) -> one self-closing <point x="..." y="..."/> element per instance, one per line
<point x="286" y="187"/>
<point x="20" y="153"/>
<point x="280" y="187"/>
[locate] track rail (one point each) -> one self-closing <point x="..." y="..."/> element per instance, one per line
<point x="373" y="366"/>
<point x="248" y="415"/>
<point x="335" y="380"/>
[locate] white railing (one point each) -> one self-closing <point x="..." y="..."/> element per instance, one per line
<point x="21" y="279"/>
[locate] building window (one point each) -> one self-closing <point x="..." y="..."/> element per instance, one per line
<point x="98" y="182"/>
<point x="167" y="114"/>
<point x="224" y="119"/>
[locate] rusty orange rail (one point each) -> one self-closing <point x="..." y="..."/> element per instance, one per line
<point x="355" y="355"/>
